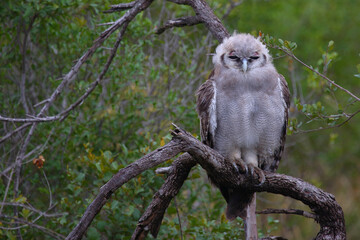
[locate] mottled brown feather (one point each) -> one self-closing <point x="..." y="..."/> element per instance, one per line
<point x="278" y="152"/>
<point x="205" y="94"/>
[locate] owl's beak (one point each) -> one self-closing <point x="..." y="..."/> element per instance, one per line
<point x="244" y="65"/>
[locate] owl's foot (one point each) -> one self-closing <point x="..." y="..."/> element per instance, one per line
<point x="251" y="170"/>
<point x="260" y="174"/>
<point x="241" y="166"/>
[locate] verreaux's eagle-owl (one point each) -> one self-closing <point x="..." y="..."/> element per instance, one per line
<point x="243" y="110"/>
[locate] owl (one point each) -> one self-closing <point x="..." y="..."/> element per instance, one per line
<point x="243" y="111"/>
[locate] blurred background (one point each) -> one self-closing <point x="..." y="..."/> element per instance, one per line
<point x="152" y="83"/>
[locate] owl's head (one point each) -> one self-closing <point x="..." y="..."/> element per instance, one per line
<point x="243" y="52"/>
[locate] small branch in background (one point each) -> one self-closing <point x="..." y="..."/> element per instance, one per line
<point x="179" y="22"/>
<point x="105" y="24"/>
<point x="49" y="188"/>
<point x="15" y="220"/>
<point x="120" y="7"/>
<point x="287" y="211"/>
<point x="4" y="138"/>
<point x="231" y="7"/>
<point x="29" y="207"/>
<point x="180" y="2"/>
<point x="6" y="190"/>
<point x="290" y="54"/>
<point x="330" y="127"/>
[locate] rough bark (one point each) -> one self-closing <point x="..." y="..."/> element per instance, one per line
<point x="152" y="217"/>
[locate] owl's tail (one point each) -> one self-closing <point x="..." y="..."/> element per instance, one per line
<point x="237" y="204"/>
<point x="243" y="204"/>
<point x="237" y="201"/>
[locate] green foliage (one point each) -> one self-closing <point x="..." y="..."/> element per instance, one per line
<point x="151" y="83"/>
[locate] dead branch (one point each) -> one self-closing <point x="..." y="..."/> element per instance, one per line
<point x="287" y="211"/>
<point x="16" y="221"/>
<point x="326" y="211"/>
<point x="179" y="22"/>
<point x="324" y="206"/>
<point x="150" y="160"/>
<point x="33" y="209"/>
<point x="152" y="217"/>
<point x="211" y="21"/>
<point x="120" y="7"/>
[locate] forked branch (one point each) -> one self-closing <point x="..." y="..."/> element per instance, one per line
<point x="326" y="210"/>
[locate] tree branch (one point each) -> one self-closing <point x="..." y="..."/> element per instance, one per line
<point x="211" y="21"/>
<point x="287" y="211"/>
<point x="120" y="7"/>
<point x="179" y="22"/>
<point x="152" y="217"/>
<point x="328" y="212"/>
<point x="27" y="223"/>
<point x="290" y="54"/>
<point x="150" y="160"/>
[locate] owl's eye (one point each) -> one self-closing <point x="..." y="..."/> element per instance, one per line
<point x="254" y="57"/>
<point x="233" y="57"/>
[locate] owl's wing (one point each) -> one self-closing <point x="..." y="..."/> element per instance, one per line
<point x="285" y="94"/>
<point x="206" y="108"/>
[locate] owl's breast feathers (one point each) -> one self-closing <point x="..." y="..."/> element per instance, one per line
<point x="235" y="114"/>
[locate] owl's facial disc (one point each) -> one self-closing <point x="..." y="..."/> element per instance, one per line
<point x="244" y="63"/>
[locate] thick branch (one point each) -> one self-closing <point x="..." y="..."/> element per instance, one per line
<point x="150" y="160"/>
<point x="152" y="217"/>
<point x="212" y="22"/>
<point x="328" y="212"/>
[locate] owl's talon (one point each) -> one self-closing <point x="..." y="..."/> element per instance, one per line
<point x="251" y="170"/>
<point x="261" y="175"/>
<point x="241" y="166"/>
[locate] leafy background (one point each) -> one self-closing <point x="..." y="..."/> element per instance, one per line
<point x="150" y="84"/>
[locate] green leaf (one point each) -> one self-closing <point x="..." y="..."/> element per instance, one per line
<point x="20" y="199"/>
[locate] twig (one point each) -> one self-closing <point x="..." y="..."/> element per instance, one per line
<point x="120" y="7"/>
<point x="325" y="128"/>
<point x="288" y="211"/>
<point x="33" y="209"/>
<point x="6" y="190"/>
<point x="48" y="186"/>
<point x="180" y="2"/>
<point x="179" y="22"/>
<point x="163" y="170"/>
<point x="4" y="138"/>
<point x="318" y="73"/>
<point x="231" y="7"/>
<point x="41" y="228"/>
